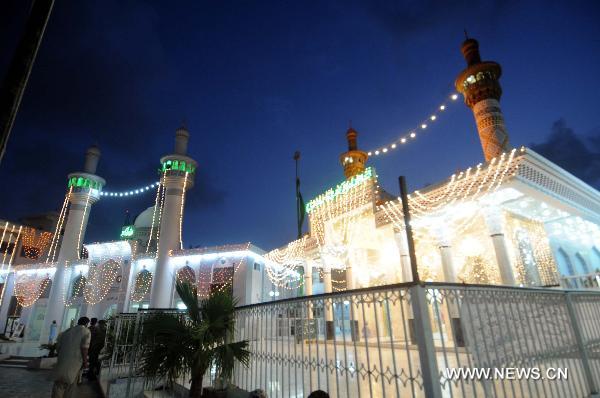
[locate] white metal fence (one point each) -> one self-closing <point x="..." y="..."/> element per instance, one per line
<point x="405" y="340"/>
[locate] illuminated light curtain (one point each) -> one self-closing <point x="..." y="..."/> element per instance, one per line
<point x="141" y="288"/>
<point x="531" y="251"/>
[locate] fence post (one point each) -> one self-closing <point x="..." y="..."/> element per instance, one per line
<point x="585" y="361"/>
<point x="424" y="339"/>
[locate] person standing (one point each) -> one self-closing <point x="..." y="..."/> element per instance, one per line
<point x="72" y="346"/>
<point x="96" y="345"/>
<point x="52" y="334"/>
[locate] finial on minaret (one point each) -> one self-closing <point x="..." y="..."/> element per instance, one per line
<point x="127" y="220"/>
<point x="480" y="85"/>
<point x="92" y="156"/>
<point x="354" y="160"/>
<point x="182" y="136"/>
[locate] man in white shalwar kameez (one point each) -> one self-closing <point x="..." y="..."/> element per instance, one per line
<point x="72" y="346"/>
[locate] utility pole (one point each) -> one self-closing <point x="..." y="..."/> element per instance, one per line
<point x="409" y="234"/>
<point x="15" y="81"/>
<point x="300" y="212"/>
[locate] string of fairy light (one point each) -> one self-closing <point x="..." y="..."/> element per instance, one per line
<point x="413" y="133"/>
<point x="129" y="192"/>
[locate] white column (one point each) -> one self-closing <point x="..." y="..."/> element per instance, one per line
<point x="327" y="304"/>
<point x="402" y="244"/>
<point x="452" y="321"/>
<point x="168" y="240"/>
<point x="8" y="292"/>
<point x="447" y="263"/>
<point x="308" y="280"/>
<point x="72" y="240"/>
<point x="129" y="287"/>
<point x="308" y="286"/>
<point x="495" y="224"/>
<point x="444" y="244"/>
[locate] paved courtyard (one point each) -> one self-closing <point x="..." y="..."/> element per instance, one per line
<point x="18" y="382"/>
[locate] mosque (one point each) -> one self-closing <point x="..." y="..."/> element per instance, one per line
<point x="517" y="219"/>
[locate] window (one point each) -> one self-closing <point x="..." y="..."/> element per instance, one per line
<point x="582" y="264"/>
<point x="565" y="261"/>
<point x="256" y="267"/>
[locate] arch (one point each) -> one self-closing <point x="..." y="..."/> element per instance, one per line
<point x="78" y="286"/>
<point x="583" y="265"/>
<point x="186" y="274"/>
<point x="142" y="282"/>
<point x="46" y="284"/>
<point x="597" y="256"/>
<point x="565" y="261"/>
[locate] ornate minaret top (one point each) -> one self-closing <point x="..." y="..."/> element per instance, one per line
<point x="479" y="84"/>
<point x="354" y="160"/>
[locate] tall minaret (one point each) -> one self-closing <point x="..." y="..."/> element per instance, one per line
<point x="178" y="176"/>
<point x="354" y="160"/>
<point x="85" y="188"/>
<point x="480" y="86"/>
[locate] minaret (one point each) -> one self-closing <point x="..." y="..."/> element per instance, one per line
<point x="85" y="188"/>
<point x="178" y="172"/>
<point x="479" y="83"/>
<point x="354" y="160"/>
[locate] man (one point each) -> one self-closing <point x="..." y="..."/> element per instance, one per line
<point x="96" y="345"/>
<point x="72" y="346"/>
<point x="52" y="334"/>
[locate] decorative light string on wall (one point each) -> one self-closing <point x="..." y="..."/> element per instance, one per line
<point x="413" y="133"/>
<point x="130" y="192"/>
<point x="61" y="218"/>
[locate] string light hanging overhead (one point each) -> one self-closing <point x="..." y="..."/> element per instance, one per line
<point x="131" y="192"/>
<point x="413" y="133"/>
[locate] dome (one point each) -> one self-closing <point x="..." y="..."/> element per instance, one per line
<point x="144" y="219"/>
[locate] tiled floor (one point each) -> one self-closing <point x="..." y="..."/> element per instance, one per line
<point x="15" y="382"/>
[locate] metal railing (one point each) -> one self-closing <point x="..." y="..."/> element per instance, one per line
<point x="585" y="281"/>
<point x="405" y="340"/>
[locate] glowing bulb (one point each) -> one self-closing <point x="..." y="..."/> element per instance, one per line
<point x="393" y="146"/>
<point x="121" y="194"/>
<point x="376" y="152"/>
<point x="403" y="140"/>
<point x="454" y="97"/>
<point x="384" y="150"/>
<point x="137" y="191"/>
<point x="412" y="135"/>
<point x="126" y="193"/>
<point x="423" y="126"/>
<point x="369" y="153"/>
<point x="442" y="107"/>
<point x="433" y="117"/>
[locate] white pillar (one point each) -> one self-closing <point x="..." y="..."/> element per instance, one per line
<point x="445" y="246"/>
<point x="163" y="279"/>
<point x="447" y="263"/>
<point x="495" y="224"/>
<point x="308" y="286"/>
<point x="308" y="280"/>
<point x="178" y="177"/>
<point x="72" y="241"/>
<point x="129" y="287"/>
<point x="402" y="244"/>
<point x="8" y="292"/>
<point x="327" y="304"/>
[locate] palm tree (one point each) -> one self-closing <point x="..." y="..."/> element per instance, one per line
<point x="174" y="344"/>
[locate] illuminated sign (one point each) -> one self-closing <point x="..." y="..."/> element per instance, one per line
<point x="127" y="231"/>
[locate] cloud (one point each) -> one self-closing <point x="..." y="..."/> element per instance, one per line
<point x="578" y="155"/>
